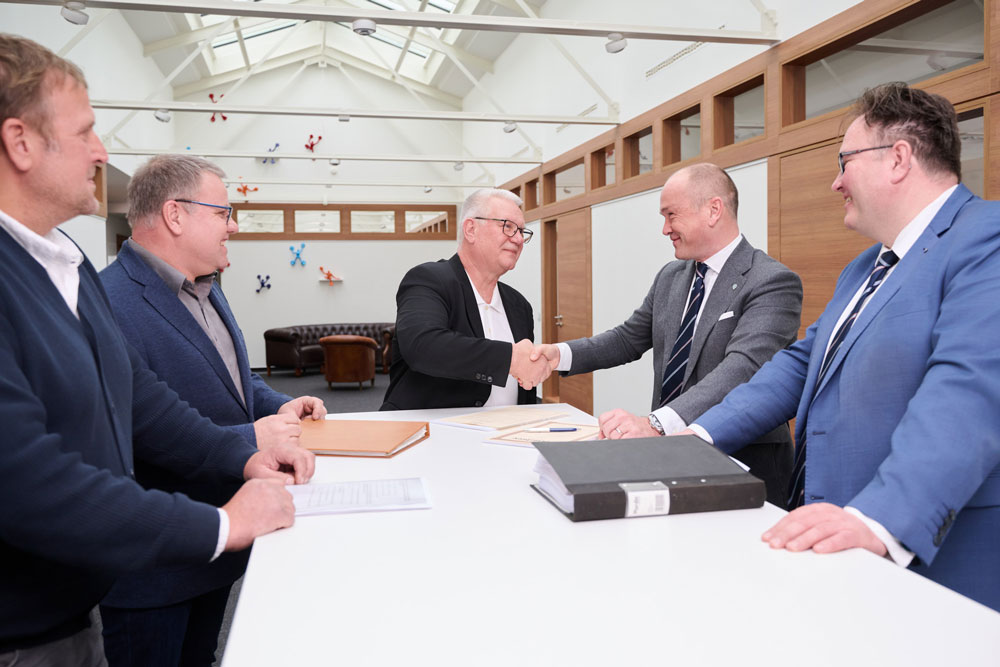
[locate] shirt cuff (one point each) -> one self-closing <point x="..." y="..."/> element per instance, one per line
<point x="669" y="420"/>
<point x="565" y="357"/>
<point x="899" y="554"/>
<point x="223" y="534"/>
<point x="701" y="433"/>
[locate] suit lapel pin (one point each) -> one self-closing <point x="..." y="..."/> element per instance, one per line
<point x="735" y="285"/>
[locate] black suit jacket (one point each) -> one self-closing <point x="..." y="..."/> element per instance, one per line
<point x="440" y="357"/>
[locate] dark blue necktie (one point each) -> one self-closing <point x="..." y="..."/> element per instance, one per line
<point x="886" y="261"/>
<point x="673" y="372"/>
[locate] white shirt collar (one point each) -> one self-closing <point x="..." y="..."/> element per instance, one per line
<point x="495" y="302"/>
<point x="909" y="234"/>
<point x="719" y="259"/>
<point x="53" y="247"/>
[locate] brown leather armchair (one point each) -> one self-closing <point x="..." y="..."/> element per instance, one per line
<point x="348" y="358"/>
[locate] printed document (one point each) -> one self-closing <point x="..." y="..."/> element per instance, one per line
<point x="380" y="495"/>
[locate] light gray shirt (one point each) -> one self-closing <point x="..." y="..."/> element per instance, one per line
<point x="194" y="296"/>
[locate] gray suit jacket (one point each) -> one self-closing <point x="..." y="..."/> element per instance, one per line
<point x="765" y="301"/>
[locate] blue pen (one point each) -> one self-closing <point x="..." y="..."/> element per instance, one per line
<point x="552" y="429"/>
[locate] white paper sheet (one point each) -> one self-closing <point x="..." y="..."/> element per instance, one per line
<point x="379" y="495"/>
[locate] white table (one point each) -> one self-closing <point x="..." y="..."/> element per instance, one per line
<point x="494" y="575"/>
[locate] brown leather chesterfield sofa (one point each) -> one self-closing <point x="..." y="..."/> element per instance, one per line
<point x="298" y="346"/>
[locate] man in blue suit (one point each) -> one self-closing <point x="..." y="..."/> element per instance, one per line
<point x="79" y="407"/>
<point x="896" y="387"/>
<point x="165" y="298"/>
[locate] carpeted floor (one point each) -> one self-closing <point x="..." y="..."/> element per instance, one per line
<point x="343" y="397"/>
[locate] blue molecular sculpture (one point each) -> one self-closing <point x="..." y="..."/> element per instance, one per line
<point x="298" y="254"/>
<point x="271" y="150"/>
<point x="265" y="282"/>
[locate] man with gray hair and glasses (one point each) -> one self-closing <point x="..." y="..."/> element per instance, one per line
<point x="78" y="405"/>
<point x="463" y="338"/>
<point x="168" y="304"/>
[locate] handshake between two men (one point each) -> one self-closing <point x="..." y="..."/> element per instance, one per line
<point x="532" y="364"/>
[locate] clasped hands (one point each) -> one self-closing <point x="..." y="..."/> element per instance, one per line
<point x="531" y="364"/>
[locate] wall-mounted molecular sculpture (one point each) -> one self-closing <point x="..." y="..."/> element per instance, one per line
<point x="244" y="189"/>
<point x="271" y="150"/>
<point x="328" y="276"/>
<point x="298" y="254"/>
<point x="211" y="96"/>
<point x="265" y="283"/>
<point x="311" y="144"/>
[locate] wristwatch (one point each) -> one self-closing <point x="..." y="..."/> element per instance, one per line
<point x="655" y="423"/>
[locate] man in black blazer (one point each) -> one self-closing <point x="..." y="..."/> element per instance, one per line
<point x="712" y="317"/>
<point x="463" y="338"/>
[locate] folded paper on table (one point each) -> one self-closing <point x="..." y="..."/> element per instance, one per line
<point x="499" y="419"/>
<point x="608" y="479"/>
<point x="523" y="437"/>
<point x="380" y="495"/>
<point x="374" y="438"/>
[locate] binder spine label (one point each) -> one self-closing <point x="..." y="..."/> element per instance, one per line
<point x="646" y="498"/>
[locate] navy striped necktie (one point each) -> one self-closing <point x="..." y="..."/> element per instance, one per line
<point x="886" y="261"/>
<point x="673" y="372"/>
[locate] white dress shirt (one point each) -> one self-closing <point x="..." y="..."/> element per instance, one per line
<point x="903" y="243"/>
<point x="61" y="259"/>
<point x="496" y="327"/>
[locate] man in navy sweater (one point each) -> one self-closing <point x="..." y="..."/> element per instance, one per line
<point x="165" y="298"/>
<point x="79" y="407"/>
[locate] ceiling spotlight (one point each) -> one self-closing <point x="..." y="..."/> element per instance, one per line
<point x="365" y="27"/>
<point x="162" y="115"/>
<point x="334" y="161"/>
<point x="509" y="126"/>
<point x="344" y="118"/>
<point x="459" y="166"/>
<point x="616" y="43"/>
<point x="427" y="189"/>
<point x="73" y="12"/>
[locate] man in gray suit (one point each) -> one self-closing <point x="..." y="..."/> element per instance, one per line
<point x="712" y="317"/>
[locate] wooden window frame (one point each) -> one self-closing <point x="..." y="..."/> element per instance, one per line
<point x="345" y="233"/>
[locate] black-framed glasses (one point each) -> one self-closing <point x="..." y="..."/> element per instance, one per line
<point x="227" y="209"/>
<point x="510" y="228"/>
<point x="841" y="156"/>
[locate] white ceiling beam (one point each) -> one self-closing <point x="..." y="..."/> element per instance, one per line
<point x="409" y="40"/>
<point x="95" y="21"/>
<point x="196" y="35"/>
<point x="356" y="157"/>
<point x="340" y="57"/>
<point x="355" y="184"/>
<point x="332" y="56"/>
<point x="584" y="74"/>
<point x="267" y="56"/>
<point x="243" y="45"/>
<point x="918" y="48"/>
<point x="318" y="112"/>
<point x="166" y="83"/>
<point x="432" y="20"/>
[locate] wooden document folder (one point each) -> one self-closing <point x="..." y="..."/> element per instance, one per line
<point x="342" y="437"/>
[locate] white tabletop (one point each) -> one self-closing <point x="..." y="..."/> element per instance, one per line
<point x="494" y="575"/>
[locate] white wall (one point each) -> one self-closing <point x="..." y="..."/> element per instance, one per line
<point x="628" y="250"/>
<point x="89" y="233"/>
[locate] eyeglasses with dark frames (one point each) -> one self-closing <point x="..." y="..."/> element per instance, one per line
<point x="510" y="228"/>
<point x="227" y="209"/>
<point x="841" y="156"/>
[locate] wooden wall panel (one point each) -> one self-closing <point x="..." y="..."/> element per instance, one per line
<point x="813" y="241"/>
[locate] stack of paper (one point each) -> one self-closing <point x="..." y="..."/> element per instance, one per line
<point x="381" y="495"/>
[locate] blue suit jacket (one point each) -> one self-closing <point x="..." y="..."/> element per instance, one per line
<point x="906" y="423"/>
<point x="170" y="341"/>
<point x="74" y="400"/>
